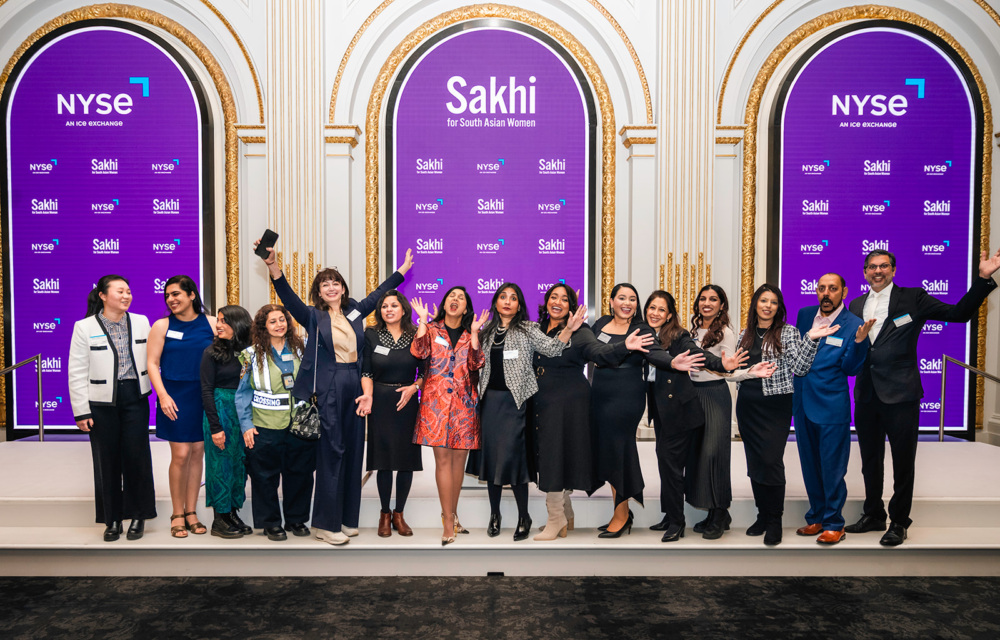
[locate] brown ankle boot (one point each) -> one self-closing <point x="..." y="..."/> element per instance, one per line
<point x="384" y="525"/>
<point x="400" y="525"/>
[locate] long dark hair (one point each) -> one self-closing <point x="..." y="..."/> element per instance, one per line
<point x="466" y="317"/>
<point x="543" y="309"/>
<point x="405" y="323"/>
<point x="716" y="331"/>
<point x="94" y="303"/>
<point x="187" y="285"/>
<point x="239" y="321"/>
<point x="772" y="337"/>
<point x="324" y="276"/>
<point x="671" y="329"/>
<point x="261" y="339"/>
<point x="520" y="316"/>
<point x="637" y="316"/>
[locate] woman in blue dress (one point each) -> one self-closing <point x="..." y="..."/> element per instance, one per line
<point x="176" y="344"/>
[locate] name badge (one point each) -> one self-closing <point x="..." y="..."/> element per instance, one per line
<point x="288" y="380"/>
<point x="834" y="342"/>
<point x="352" y="316"/>
<point x="442" y="341"/>
<point x="604" y="337"/>
<point x="901" y="320"/>
<point x="176" y="335"/>
<point x="381" y="350"/>
<point x="651" y="377"/>
<point x="510" y="355"/>
<point x="287" y="357"/>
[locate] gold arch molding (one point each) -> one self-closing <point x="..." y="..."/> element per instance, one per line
<point x="584" y="59"/>
<point x="752" y="115"/>
<point x="159" y="21"/>
<point x="597" y="5"/>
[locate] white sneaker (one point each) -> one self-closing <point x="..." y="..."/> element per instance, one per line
<point x="330" y="537"/>
<point x="349" y="531"/>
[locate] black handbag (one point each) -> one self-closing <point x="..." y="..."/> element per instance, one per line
<point x="305" y="424"/>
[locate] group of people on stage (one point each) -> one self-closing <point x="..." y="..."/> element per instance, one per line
<point x="502" y="398"/>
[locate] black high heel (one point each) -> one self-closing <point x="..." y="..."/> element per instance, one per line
<point x="617" y="534"/>
<point x="522" y="530"/>
<point x="604" y="527"/>
<point x="493" y="529"/>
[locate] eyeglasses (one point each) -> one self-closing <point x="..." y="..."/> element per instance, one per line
<point x="879" y="267"/>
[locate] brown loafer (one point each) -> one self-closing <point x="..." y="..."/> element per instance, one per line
<point x="400" y="525"/>
<point x="809" y="529"/>
<point x="384" y="524"/>
<point x="831" y="537"/>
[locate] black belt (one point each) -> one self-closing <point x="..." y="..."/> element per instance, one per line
<point x="709" y="383"/>
<point x="392" y="384"/>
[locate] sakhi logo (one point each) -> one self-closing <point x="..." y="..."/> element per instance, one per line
<point x="808" y="287"/>
<point x="489" y="248"/>
<point x="878" y="167"/>
<point x="550" y="208"/>
<point x="45" y="327"/>
<point x="877" y="105"/>
<point x="488" y="285"/>
<point x="45" y="285"/>
<point x="937" y="169"/>
<point x="44" y="206"/>
<point x="815" y="169"/>
<point x="42" y="168"/>
<point x="867" y="246"/>
<point x="489" y="207"/>
<point x="816" y="207"/>
<point x="430" y="165"/>
<point x="166" y="206"/>
<point x="166" y="248"/>
<point x="814" y="248"/>
<point x="552" y="246"/>
<point x="430" y="245"/>
<point x="937" y="287"/>
<point x="106" y="246"/>
<point x="511" y="97"/>
<point x="159" y="285"/>
<point x="429" y="207"/>
<point x="935" y="249"/>
<point x="937" y="207"/>
<point x="165" y="168"/>
<point x="100" y="104"/>
<point x="52" y="365"/>
<point x="930" y="365"/>
<point x="104" y="166"/>
<point x="104" y="208"/>
<point x="44" y="248"/>
<point x="556" y="166"/>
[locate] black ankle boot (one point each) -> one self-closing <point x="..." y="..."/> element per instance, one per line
<point x="718" y="524"/>
<point x="242" y="527"/>
<point x="699" y="527"/>
<point x="223" y="527"/>
<point x="772" y="530"/>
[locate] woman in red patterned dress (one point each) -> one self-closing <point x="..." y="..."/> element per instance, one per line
<point x="447" y="419"/>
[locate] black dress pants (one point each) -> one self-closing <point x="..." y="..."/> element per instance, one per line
<point x="278" y="456"/>
<point x="874" y="420"/>
<point x="123" y="466"/>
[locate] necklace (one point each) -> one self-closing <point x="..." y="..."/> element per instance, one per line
<point x="760" y="334"/>
<point x="501" y="336"/>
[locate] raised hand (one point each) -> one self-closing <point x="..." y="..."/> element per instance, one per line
<point x="636" y="342"/>
<point x="822" y="332"/>
<point x="578" y="318"/>
<point x="736" y="360"/>
<point x="477" y="323"/>
<point x="863" y="330"/>
<point x="269" y="260"/>
<point x="763" y="369"/>
<point x="988" y="265"/>
<point x="407" y="262"/>
<point x="418" y="306"/>
<point x="688" y="361"/>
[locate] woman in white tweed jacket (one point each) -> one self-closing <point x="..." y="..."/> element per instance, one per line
<point x="510" y="341"/>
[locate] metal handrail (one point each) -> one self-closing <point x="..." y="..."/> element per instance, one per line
<point x="944" y="368"/>
<point x="38" y="364"/>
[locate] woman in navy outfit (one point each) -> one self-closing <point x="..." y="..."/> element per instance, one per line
<point x="337" y="321"/>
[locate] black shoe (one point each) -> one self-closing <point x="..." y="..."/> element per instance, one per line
<point x="659" y="526"/>
<point x="522" y="530"/>
<point x="493" y="529"/>
<point x="272" y="533"/>
<point x="894" y="536"/>
<point x="135" y="529"/>
<point x="626" y="528"/>
<point x="297" y="529"/>
<point x="700" y="527"/>
<point x="113" y="531"/>
<point x="673" y="533"/>
<point x="718" y="524"/>
<point x="758" y="527"/>
<point x="242" y="527"/>
<point x="772" y="531"/>
<point x="604" y="527"/>
<point x="865" y="524"/>
<point x="222" y="527"/>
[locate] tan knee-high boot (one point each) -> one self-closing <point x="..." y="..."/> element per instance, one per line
<point x="556" y="525"/>
<point x="568" y="509"/>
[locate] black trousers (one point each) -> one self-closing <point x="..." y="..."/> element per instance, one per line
<point x="874" y="420"/>
<point x="123" y="466"/>
<point x="276" y="456"/>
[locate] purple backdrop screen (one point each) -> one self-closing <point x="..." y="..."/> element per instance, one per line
<point x="878" y="141"/>
<point x="103" y="176"/>
<point x="490" y="169"/>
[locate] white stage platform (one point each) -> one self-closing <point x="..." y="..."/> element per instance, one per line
<point x="46" y="528"/>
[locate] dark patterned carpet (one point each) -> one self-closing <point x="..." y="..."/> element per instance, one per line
<point x="499" y="607"/>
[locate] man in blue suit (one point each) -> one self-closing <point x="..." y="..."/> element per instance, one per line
<point x="822" y="408"/>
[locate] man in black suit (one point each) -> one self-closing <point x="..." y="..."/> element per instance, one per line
<point x="887" y="393"/>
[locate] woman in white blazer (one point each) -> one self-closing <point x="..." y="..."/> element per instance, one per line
<point x="108" y="387"/>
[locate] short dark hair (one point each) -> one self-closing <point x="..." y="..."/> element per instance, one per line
<point x="881" y="252"/>
<point x="321" y="277"/>
<point x="843" y="283"/>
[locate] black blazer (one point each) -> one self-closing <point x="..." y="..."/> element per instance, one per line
<point x="314" y="319"/>
<point x="672" y="392"/>
<point x="890" y="368"/>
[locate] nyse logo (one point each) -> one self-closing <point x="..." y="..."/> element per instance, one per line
<point x="814" y="249"/>
<point x="50" y="405"/>
<point x="875" y="209"/>
<point x="877" y="105"/>
<point x="865" y="288"/>
<point x="488" y="168"/>
<point x="489" y="248"/>
<point x="543" y="287"/>
<point x="103" y="103"/>
<point x="552" y="246"/>
<point x="165" y="168"/>
<point x="45" y="285"/>
<point x="42" y="168"/>
<point x="43" y="248"/>
<point x="939" y="286"/>
<point x="106" y="166"/>
<point x="930" y="406"/>
<point x="520" y="99"/>
<point x="807" y="287"/>
<point x="45" y="206"/>
<point x="878" y="167"/>
<point x="430" y="245"/>
<point x="166" y="206"/>
<point x="554" y="166"/>
<point x="430" y="165"/>
<point x="867" y="246"/>
<point x="52" y="365"/>
<point x="429" y="207"/>
<point x="45" y="327"/>
<point x="488" y="285"/>
<point x="104" y="208"/>
<point x="937" y="207"/>
<point x="430" y="287"/>
<point x="934" y="328"/>
<point x="815" y="207"/>
<point x="106" y="246"/>
<point x="550" y="208"/>
<point x="166" y="248"/>
<point x="159" y="285"/>
<point x="491" y="207"/>
<point x="930" y="365"/>
<point x="935" y="249"/>
<point x="937" y="169"/>
<point x="815" y="169"/>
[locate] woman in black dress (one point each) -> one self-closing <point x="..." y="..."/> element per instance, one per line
<point x="618" y="401"/>
<point x="390" y="379"/>
<point x="560" y="411"/>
